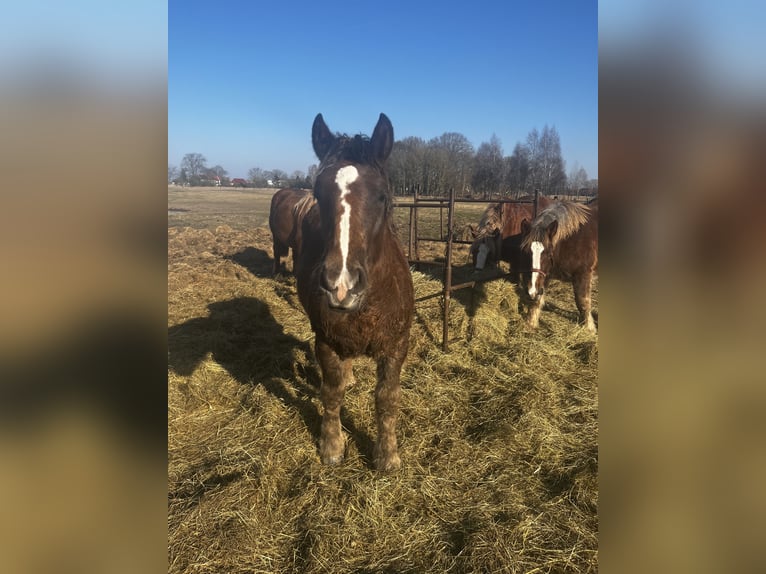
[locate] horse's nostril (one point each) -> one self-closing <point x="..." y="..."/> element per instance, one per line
<point x="361" y="279"/>
<point x="325" y="280"/>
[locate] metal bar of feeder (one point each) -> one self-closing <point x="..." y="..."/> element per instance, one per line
<point x="448" y="272"/>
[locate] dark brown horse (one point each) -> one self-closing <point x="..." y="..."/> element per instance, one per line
<point x="354" y="281"/>
<point x="499" y="235"/>
<point x="561" y="243"/>
<point x="288" y="208"/>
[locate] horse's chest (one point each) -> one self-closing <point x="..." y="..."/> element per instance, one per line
<point x="357" y="334"/>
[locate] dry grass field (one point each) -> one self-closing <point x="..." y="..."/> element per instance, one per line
<point x="498" y="437"/>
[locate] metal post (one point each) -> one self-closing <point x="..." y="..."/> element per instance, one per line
<point x="448" y="272"/>
<point x="409" y="246"/>
<point x="441" y="221"/>
<point x="415" y="228"/>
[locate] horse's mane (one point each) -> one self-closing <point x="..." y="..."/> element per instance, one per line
<point x="491" y="220"/>
<point x="569" y="215"/>
<point x="302" y="206"/>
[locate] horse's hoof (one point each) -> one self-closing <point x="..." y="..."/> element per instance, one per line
<point x="331" y="454"/>
<point x="332" y="459"/>
<point x="389" y="464"/>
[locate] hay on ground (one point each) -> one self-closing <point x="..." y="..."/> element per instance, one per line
<point x="498" y="438"/>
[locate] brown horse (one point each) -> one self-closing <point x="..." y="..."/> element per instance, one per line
<point x="561" y="242"/>
<point x="354" y="281"/>
<point x="499" y="235"/>
<point x="288" y="208"/>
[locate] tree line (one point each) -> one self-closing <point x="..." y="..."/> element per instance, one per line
<point x="433" y="167"/>
<point x="450" y="162"/>
<point x="194" y="171"/>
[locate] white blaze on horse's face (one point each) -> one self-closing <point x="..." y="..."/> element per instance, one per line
<point x="481" y="256"/>
<point x="537" y="251"/>
<point x="344" y="178"/>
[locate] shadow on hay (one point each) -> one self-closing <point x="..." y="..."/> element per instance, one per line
<point x="244" y="337"/>
<point x="107" y="362"/>
<point x="256" y="261"/>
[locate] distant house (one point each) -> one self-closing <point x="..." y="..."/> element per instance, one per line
<point x="238" y="182"/>
<point x="210" y="179"/>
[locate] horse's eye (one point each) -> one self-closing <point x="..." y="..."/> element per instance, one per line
<point x="382" y="198"/>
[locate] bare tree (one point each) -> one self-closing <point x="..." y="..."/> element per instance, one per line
<point x="577" y="180"/>
<point x="406" y="165"/>
<point x="311" y="174"/>
<point x="488" y="167"/>
<point x="172" y="173"/>
<point x="546" y="166"/>
<point x="297" y="180"/>
<point x="277" y="177"/>
<point x="534" y="175"/>
<point x="451" y="162"/>
<point x="195" y="165"/>
<point x="517" y="169"/>
<point x="219" y="171"/>
<point x="257" y="176"/>
<point x="554" y="178"/>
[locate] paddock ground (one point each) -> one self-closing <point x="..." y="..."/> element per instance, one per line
<point x="498" y="438"/>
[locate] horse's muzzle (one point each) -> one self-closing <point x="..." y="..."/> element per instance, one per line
<point x="536" y="297"/>
<point x="351" y="302"/>
<point x="344" y="291"/>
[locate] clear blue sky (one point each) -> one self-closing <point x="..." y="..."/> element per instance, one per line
<point x="245" y="79"/>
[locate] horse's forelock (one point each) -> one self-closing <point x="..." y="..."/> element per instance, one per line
<point x="353" y="149"/>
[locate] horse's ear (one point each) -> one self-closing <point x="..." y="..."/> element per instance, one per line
<point x="321" y="137"/>
<point x="382" y="140"/>
<point x="552" y="228"/>
<point x="525" y="226"/>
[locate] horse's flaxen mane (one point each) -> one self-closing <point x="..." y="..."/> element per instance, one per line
<point x="491" y="220"/>
<point x="569" y="215"/>
<point x="301" y="208"/>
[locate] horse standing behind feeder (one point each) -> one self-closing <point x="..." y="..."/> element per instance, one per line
<point x="499" y="235"/>
<point x="561" y="242"/>
<point x="288" y="208"/>
<point x="354" y="281"/>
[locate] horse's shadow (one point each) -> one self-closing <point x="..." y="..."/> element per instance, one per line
<point x="261" y="265"/>
<point x="255" y="260"/>
<point x="244" y="338"/>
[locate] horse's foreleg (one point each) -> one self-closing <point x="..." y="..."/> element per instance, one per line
<point x="582" y="284"/>
<point x="387" y="408"/>
<point x="533" y="319"/>
<point x="336" y="375"/>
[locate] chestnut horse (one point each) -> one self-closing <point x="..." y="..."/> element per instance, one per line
<point x="561" y="242"/>
<point x="499" y="234"/>
<point x="288" y="208"/>
<point x="354" y="281"/>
